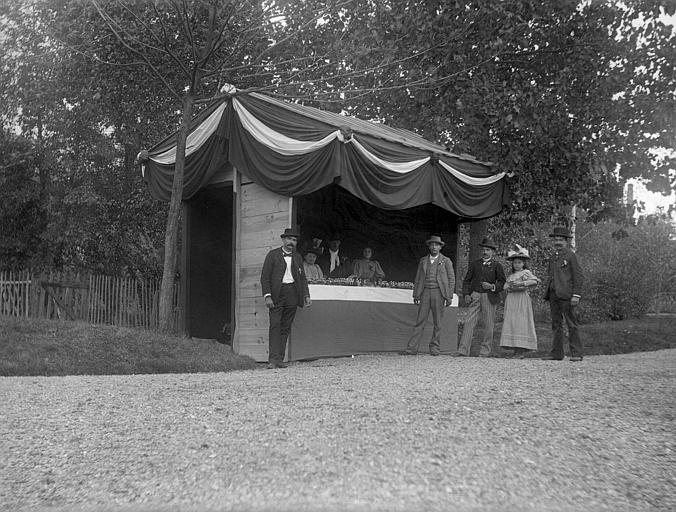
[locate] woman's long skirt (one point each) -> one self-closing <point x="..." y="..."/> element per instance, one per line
<point x="518" y="326"/>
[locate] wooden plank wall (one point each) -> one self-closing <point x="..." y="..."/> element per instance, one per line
<point x="263" y="215"/>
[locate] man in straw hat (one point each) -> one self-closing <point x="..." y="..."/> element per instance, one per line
<point x="482" y="285"/>
<point x="432" y="291"/>
<point x="285" y="289"/>
<point x="563" y="290"/>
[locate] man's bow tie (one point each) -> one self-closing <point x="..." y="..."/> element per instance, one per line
<point x="286" y="254"/>
<point x="487" y="262"/>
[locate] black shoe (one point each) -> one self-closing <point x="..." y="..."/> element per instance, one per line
<point x="575" y="359"/>
<point x="434" y="353"/>
<point x="407" y="353"/>
<point x="458" y="354"/>
<point x="551" y="358"/>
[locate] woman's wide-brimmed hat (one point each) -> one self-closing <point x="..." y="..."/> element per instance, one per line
<point x="560" y="231"/>
<point x="488" y="242"/>
<point x="519" y="252"/>
<point x="290" y="232"/>
<point x="313" y="250"/>
<point x="435" y="239"/>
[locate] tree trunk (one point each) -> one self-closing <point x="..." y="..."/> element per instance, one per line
<point x="171" y="235"/>
<point x="477" y="232"/>
<point x="573" y="225"/>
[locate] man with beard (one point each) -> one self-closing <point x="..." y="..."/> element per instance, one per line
<point x="482" y="285"/>
<point x="563" y="291"/>
<point x="285" y="289"/>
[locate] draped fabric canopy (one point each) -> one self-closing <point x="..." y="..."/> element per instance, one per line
<point x="294" y="150"/>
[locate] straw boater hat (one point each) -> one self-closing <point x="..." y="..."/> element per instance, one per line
<point x="290" y="232"/>
<point x="520" y="252"/>
<point x="435" y="239"/>
<point x="488" y="242"/>
<point x="560" y="231"/>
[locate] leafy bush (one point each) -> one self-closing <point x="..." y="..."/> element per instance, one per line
<point x="625" y="268"/>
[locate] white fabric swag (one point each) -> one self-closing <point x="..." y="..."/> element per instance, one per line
<point x="195" y="139"/>
<point x="284" y="145"/>
<point x="469" y="179"/>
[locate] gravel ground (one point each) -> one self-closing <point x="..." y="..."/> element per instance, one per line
<point x="376" y="432"/>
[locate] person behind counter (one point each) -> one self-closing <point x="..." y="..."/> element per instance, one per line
<point x="333" y="263"/>
<point x="312" y="270"/>
<point x="314" y="245"/>
<point x="367" y="268"/>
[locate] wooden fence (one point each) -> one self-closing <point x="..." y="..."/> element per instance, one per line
<point x="92" y="298"/>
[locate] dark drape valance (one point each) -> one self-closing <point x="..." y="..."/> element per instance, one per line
<point x="295" y="150"/>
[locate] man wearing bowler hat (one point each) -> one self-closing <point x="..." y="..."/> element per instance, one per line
<point x="285" y="289"/>
<point x="432" y="291"/>
<point x="563" y="290"/>
<point x="332" y="262"/>
<point x="481" y="287"/>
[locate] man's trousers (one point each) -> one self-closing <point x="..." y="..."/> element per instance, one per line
<point x="430" y="300"/>
<point x="560" y="310"/>
<point x="479" y="304"/>
<point x="281" y="319"/>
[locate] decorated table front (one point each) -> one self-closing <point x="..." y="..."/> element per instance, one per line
<point x="347" y="320"/>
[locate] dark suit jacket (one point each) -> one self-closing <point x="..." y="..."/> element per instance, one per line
<point x="445" y="277"/>
<point x="565" y="274"/>
<point x="273" y="271"/>
<point x="324" y="261"/>
<point x="478" y="272"/>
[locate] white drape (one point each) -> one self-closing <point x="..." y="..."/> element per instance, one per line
<point x="195" y="139"/>
<point x="285" y="145"/>
<point x="471" y="180"/>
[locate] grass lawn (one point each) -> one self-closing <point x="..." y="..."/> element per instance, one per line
<point x="42" y="347"/>
<point x="612" y="337"/>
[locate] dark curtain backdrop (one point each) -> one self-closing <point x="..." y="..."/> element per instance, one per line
<point x="396" y="236"/>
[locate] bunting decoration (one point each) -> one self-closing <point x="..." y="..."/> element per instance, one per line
<point x="294" y="150"/>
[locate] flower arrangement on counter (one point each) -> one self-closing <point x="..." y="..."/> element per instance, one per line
<point x="346" y="281"/>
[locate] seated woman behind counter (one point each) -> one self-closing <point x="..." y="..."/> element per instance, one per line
<point x="366" y="268"/>
<point x="312" y="270"/>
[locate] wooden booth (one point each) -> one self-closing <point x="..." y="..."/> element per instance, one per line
<point x="256" y="165"/>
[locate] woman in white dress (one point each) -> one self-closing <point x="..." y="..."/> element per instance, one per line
<point x="518" y="327"/>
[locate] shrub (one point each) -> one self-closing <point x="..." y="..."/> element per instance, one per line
<point x="625" y="268"/>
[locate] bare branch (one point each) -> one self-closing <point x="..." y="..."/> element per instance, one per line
<point x="294" y="34"/>
<point x="165" y="44"/>
<point x="208" y="46"/>
<point x="188" y="27"/>
<point x="135" y="51"/>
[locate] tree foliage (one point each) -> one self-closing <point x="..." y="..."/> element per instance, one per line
<point x="569" y="96"/>
<point x="87" y="120"/>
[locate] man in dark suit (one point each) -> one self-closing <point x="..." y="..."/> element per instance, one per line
<point x="285" y="289"/>
<point x="482" y="285"/>
<point x="563" y="290"/>
<point x="332" y="263"/>
<point x="432" y="291"/>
